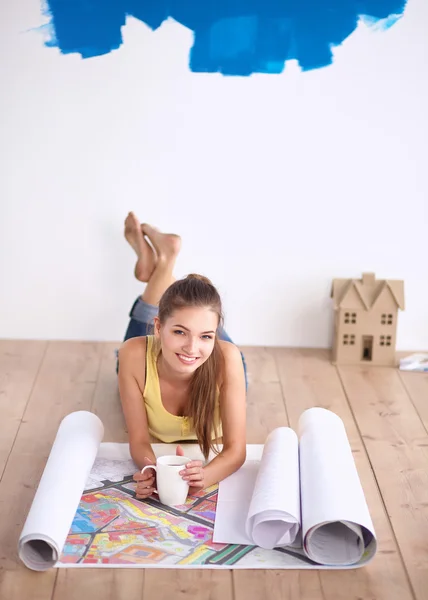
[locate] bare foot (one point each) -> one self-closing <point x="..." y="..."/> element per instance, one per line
<point x="167" y="245"/>
<point x="146" y="260"/>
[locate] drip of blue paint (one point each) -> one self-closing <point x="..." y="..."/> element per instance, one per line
<point x="237" y="37"/>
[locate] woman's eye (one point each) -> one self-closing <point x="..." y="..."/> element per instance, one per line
<point x="205" y="337"/>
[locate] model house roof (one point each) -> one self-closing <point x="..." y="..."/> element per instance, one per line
<point x="367" y="292"/>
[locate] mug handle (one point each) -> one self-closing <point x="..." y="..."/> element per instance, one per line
<point x="150" y="467"/>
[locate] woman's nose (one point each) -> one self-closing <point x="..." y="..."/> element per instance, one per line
<point x="190" y="346"/>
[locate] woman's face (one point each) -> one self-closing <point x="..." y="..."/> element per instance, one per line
<point x="187" y="338"/>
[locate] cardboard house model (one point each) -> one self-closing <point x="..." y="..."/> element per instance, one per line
<point x="366" y="320"/>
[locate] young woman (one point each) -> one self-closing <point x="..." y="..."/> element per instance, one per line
<point x="187" y="381"/>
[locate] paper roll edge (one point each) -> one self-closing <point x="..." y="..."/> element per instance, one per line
<point x="368" y="553"/>
<point x="36" y="553"/>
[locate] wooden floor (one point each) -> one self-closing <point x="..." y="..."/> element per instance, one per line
<point x="386" y="417"/>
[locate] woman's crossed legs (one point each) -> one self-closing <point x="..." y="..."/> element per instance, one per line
<point x="156" y="256"/>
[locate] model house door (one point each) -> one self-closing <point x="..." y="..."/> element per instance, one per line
<point x="367" y="347"/>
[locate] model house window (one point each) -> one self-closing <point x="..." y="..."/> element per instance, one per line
<point x="350" y="318"/>
<point x="386" y="319"/>
<point x="385" y="340"/>
<point x="349" y="340"/>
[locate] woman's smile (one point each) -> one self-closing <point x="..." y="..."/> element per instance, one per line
<point x="187" y="360"/>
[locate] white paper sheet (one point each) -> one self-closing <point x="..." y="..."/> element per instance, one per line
<point x="260" y="504"/>
<point x="233" y="503"/>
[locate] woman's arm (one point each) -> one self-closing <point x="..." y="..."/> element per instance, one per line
<point x="233" y="418"/>
<point x="131" y="378"/>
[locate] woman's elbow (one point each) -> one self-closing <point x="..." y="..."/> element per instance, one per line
<point x="239" y="455"/>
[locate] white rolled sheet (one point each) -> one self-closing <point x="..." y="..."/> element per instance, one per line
<point x="60" y="489"/>
<point x="274" y="513"/>
<point x="303" y="493"/>
<point x="336" y="524"/>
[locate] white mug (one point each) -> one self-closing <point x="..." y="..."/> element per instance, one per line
<point x="171" y="487"/>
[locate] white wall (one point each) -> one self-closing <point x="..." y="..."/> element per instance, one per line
<point x="276" y="183"/>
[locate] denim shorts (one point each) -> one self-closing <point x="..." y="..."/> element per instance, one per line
<point x="141" y="323"/>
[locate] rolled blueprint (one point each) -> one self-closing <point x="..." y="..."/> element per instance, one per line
<point x="60" y="489"/>
<point x="336" y="525"/>
<point x="303" y="496"/>
<point x="274" y="514"/>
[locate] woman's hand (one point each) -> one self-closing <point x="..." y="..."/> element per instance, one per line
<point x="193" y="473"/>
<point x="145" y="481"/>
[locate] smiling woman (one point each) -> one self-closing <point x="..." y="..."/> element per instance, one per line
<point x="180" y="375"/>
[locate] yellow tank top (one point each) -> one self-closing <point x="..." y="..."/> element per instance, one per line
<point x="162" y="424"/>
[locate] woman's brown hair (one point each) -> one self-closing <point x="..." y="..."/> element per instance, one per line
<point x="197" y="290"/>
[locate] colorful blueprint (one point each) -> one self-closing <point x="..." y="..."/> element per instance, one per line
<point x="112" y="528"/>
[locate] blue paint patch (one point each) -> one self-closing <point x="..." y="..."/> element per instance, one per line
<point x="237" y="37"/>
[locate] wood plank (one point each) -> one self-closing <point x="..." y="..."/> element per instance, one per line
<point x="309" y="379"/>
<point x="397" y="444"/>
<point x="260" y="366"/>
<point x="265" y="404"/>
<point x="187" y="584"/>
<point x="106" y="402"/>
<point x="22" y="584"/>
<point x="20" y="361"/>
<point x="416" y="385"/>
<point x="65" y="383"/>
<point x="265" y="412"/>
<point x="279" y="585"/>
<point x="106" y="584"/>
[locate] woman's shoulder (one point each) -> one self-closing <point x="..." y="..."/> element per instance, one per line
<point x="229" y="350"/>
<point x="232" y="372"/>
<point x="133" y="348"/>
